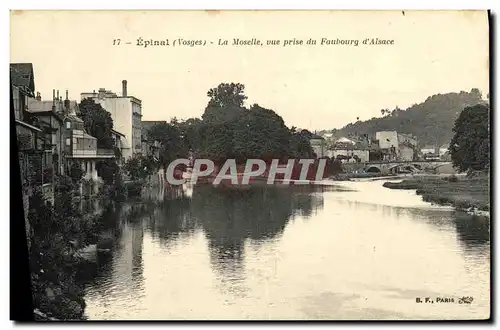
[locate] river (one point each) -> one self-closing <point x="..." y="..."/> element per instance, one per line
<point x="351" y="250"/>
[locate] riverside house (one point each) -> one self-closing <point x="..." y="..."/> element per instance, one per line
<point x="81" y="148"/>
<point x="69" y="142"/>
<point x="33" y="142"/>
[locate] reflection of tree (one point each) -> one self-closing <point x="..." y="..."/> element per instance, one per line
<point x="473" y="231"/>
<point x="120" y="231"/>
<point x="170" y="219"/>
<point x="230" y="217"/>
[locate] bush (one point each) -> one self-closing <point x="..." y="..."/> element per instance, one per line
<point x="76" y="172"/>
<point x="462" y="204"/>
<point x="52" y="259"/>
<point x="452" y="178"/>
<point x="134" y="189"/>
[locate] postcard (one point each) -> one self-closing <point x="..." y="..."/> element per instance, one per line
<point x="253" y="165"/>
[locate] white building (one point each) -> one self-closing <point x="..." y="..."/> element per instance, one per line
<point x="428" y="149"/>
<point x="444" y="149"/>
<point x="126" y="112"/>
<point x="404" y="144"/>
<point x="387" y="139"/>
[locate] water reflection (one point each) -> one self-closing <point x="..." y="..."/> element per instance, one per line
<point x="301" y="231"/>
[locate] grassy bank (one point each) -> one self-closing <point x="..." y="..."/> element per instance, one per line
<point x="462" y="193"/>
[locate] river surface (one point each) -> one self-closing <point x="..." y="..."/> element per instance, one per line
<point x="352" y="250"/>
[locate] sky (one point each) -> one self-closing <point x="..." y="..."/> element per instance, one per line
<point x="311" y="86"/>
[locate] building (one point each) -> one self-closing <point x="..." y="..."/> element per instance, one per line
<point x="397" y="146"/>
<point x="121" y="143"/>
<point x="81" y="148"/>
<point x="363" y="154"/>
<point x="318" y="144"/>
<point x="35" y="168"/>
<point x="126" y="112"/>
<point x="69" y="143"/>
<point x="429" y="149"/>
<point x="444" y="149"/>
<point x="44" y="115"/>
<point x="345" y="148"/>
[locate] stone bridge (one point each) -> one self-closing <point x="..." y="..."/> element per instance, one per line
<point x="388" y="167"/>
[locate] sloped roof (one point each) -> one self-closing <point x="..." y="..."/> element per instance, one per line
<point x="445" y="145"/>
<point x="22" y="76"/>
<point x="74" y="118"/>
<point x="57" y="116"/>
<point x="22" y="123"/>
<point x="35" y="105"/>
<point x="117" y="133"/>
<point x="345" y="140"/>
<point x="88" y="136"/>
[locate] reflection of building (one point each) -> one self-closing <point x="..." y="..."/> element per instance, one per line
<point x="126" y="112"/>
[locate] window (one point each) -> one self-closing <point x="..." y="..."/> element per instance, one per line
<point x="80" y="144"/>
<point x="17" y="104"/>
<point x="68" y="142"/>
<point x="68" y="124"/>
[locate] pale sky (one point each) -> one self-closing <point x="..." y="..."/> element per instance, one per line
<point x="313" y="87"/>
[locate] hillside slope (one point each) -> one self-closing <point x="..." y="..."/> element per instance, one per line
<point x="431" y="121"/>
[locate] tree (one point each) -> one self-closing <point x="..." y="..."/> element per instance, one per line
<point x="260" y="133"/>
<point x="107" y="170"/>
<point x="53" y="263"/>
<point x="191" y="132"/>
<point x="76" y="172"/>
<point x="138" y="167"/>
<point x="172" y="144"/>
<point x="300" y="146"/>
<point x="218" y="115"/>
<point x="227" y="94"/>
<point x="469" y="148"/>
<point x="97" y="122"/>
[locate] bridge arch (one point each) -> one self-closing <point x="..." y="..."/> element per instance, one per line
<point x="373" y="169"/>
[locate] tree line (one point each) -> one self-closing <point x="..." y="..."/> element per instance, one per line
<point x="226" y="130"/>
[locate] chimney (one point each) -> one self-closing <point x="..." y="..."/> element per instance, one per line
<point x="66" y="102"/>
<point x="124" y="88"/>
<point x="54" y="100"/>
<point x="58" y="94"/>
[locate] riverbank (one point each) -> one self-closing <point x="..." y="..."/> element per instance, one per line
<point x="470" y="194"/>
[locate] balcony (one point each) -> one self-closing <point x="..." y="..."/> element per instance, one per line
<point x="105" y="152"/>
